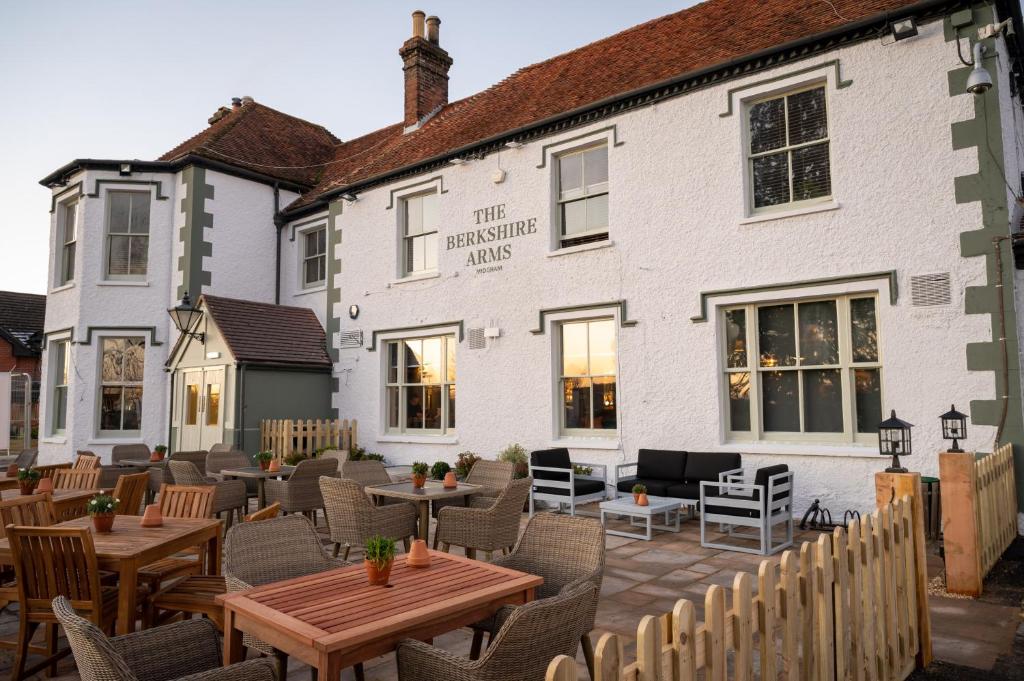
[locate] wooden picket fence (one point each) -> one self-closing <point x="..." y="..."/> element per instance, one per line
<point x="305" y="436"/>
<point x="844" y="608"/>
<point x="979" y="515"/>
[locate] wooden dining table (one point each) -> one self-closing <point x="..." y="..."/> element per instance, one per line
<point x="335" y="619"/>
<point x="422" y="496"/>
<point x="260" y="476"/>
<point x="8" y="482"/>
<point x="130" y="547"/>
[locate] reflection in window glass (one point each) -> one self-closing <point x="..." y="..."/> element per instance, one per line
<point x="191" y="404"/>
<point x="777" y="342"/>
<point x="819" y="333"/>
<point x="212" y="404"/>
<point x="421" y="397"/>
<point x="588" y="382"/>
<point x="121" y="373"/>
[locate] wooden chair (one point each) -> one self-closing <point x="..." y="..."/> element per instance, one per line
<point x="51" y="562"/>
<point x="179" y="501"/>
<point x="33" y="510"/>
<point x="69" y="509"/>
<point x="131" y="489"/>
<point x="50" y="470"/>
<point x="86" y="460"/>
<point x="267" y="513"/>
<point x="77" y="478"/>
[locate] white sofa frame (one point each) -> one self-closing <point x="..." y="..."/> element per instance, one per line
<point x="569" y="485"/>
<point x="691" y="504"/>
<point x="767" y="518"/>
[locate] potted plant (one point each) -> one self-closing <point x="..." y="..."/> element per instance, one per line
<point x="439" y="470"/>
<point x="515" y="454"/>
<point x="28" y="478"/>
<point x="102" y="508"/>
<point x="639" y="490"/>
<point x="294" y="458"/>
<point x="263" y="459"/>
<point x="464" y="463"/>
<point x="358" y="453"/>
<point x="378" y="557"/>
<point x="419" y="474"/>
<point x="158" y="453"/>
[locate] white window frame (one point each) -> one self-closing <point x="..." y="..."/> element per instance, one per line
<point x="562" y="431"/>
<point x="57" y="382"/>
<point x="748" y="157"/>
<point x="109" y="235"/>
<point x="561" y="198"/>
<point x="846" y="366"/>
<point x="401" y="430"/>
<point x="63" y="244"/>
<point x="405" y="241"/>
<point x="305" y="257"/>
<point x="101" y="384"/>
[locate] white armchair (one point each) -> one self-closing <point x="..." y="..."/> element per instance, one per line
<point x="555" y="480"/>
<point x="763" y="504"/>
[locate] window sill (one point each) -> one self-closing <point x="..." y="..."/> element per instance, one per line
<point x="101" y="440"/>
<point x="117" y="282"/>
<point x="306" y="291"/>
<point x="421" y="439"/>
<point x="62" y="287"/>
<point x="802" y="449"/>
<point x="609" y="443"/>
<point x="416" y="277"/>
<point x="55" y="440"/>
<point x="582" y="248"/>
<point x="793" y="212"/>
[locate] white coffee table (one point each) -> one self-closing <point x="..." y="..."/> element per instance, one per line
<point x="642" y="516"/>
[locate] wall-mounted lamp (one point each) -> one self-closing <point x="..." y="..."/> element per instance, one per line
<point x="185" y="317"/>
<point x="979" y="82"/>
<point x="457" y="161"/>
<point x="350" y="197"/>
<point x="903" y="29"/>
<point x="125" y="169"/>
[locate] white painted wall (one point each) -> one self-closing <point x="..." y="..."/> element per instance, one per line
<point x="292" y="291"/>
<point x="677" y="229"/>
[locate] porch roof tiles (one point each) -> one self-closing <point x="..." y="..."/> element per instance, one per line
<point x="264" y="333"/>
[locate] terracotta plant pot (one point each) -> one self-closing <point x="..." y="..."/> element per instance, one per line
<point x="642" y="500"/>
<point x="27" y="486"/>
<point x="156" y="456"/>
<point x="45" y="485"/>
<point x="636" y="497"/>
<point x="274" y="466"/>
<point x="450" y="481"/>
<point x="418" y="556"/>
<point x="103" y="522"/>
<point x="418" y="481"/>
<point x="378" y="576"/>
<point x="12" y="470"/>
<point x="264" y="465"/>
<point x="152" y="517"/>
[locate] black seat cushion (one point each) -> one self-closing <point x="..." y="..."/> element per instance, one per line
<point x="581" y="487"/>
<point x="658" y="488"/>
<point x="728" y="510"/>
<point x="684" y="490"/>
<point x="707" y="465"/>
<point x="551" y="458"/>
<point x="763" y="474"/>
<point x="660" y="464"/>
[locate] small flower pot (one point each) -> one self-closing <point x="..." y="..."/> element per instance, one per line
<point x="156" y="456"/>
<point x="152" y="517"/>
<point x="264" y="465"/>
<point x="103" y="522"/>
<point x="418" y="481"/>
<point x="521" y="470"/>
<point x="642" y="500"/>
<point x="27" y="486"/>
<point x="45" y="485"/>
<point x="274" y="466"/>
<point x="636" y="497"/>
<point x="378" y="575"/>
<point x="12" y="470"/>
<point x="450" y="481"/>
<point x="418" y="556"/>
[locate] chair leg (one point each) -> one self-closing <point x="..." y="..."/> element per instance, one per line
<point x="445" y="546"/>
<point x="357" y="669"/>
<point x="478" y="642"/>
<point x="588" y="653"/>
<point x="282" y="665"/>
<point x="230" y="515"/>
<point x="471" y="553"/>
<point x="488" y="556"/>
<point x="406" y="544"/>
<point x="337" y="549"/>
<point x="25" y="631"/>
<point x="348" y="547"/>
<point x="434" y="546"/>
<point x="51" y="649"/>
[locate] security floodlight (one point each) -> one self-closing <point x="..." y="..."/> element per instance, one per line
<point x="979" y="82"/>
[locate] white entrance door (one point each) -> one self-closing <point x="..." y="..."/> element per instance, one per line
<point x="190" y="437"/>
<point x="213" y="408"/>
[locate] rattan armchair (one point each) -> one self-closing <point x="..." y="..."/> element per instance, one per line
<point x="352" y="519"/>
<point x="369" y="473"/>
<point x="230" y="495"/>
<point x="491" y="476"/>
<point x="487" y="524"/>
<point x="300" y="493"/>
<point x="271" y="551"/>
<point x="189" y="650"/>
<point x="530" y="637"/>
<point x="565" y="551"/>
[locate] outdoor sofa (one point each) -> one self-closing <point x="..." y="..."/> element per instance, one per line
<point x="674" y="473"/>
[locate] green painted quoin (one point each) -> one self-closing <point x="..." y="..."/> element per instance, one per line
<point x="191" y="235"/>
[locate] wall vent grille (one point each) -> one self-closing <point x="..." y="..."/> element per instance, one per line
<point x="351" y="339"/>
<point x="927" y="290"/>
<point x="476" y="339"/>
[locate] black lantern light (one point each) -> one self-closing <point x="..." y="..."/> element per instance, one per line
<point x="894" y="441"/>
<point x="954" y="427"/>
<point x="185" y="317"/>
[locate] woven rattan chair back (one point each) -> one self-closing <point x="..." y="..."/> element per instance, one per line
<point x="495" y="475"/>
<point x="275" y="549"/>
<point x="136" y="451"/>
<point x="346" y="506"/>
<point x="86" y="460"/>
<point x="95" y="657"/>
<point x="185" y="501"/>
<point x="364" y="473"/>
<point x="34" y="510"/>
<point x="267" y="513"/>
<point x="131" y="489"/>
<point x="313" y="469"/>
<point x="186" y="473"/>
<point x="216" y="461"/>
<point x="221" y="447"/>
<point x="198" y="457"/>
<point x="50" y="470"/>
<point x="55" y="561"/>
<point x="77" y="478"/>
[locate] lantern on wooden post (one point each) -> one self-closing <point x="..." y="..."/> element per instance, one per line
<point x="894" y="441"/>
<point x="954" y="427"/>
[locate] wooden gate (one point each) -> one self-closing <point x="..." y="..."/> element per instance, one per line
<point x="305" y="436"/>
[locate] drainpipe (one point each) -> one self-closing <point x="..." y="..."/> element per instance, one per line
<point x="1004" y="358"/>
<point x="278" y="226"/>
<point x="170" y="419"/>
<point x="240" y="407"/>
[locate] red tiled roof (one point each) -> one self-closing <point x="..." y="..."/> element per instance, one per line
<point x="266" y="141"/>
<point x="263" y="333"/>
<point x="22" y="313"/>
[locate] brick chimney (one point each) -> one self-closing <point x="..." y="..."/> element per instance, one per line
<point x="426" y="67"/>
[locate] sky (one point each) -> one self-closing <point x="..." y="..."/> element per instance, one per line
<point x="121" y="80"/>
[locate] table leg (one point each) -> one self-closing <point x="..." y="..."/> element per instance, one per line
<point x="128" y="578"/>
<point x="213" y="553"/>
<point x="233" y="650"/>
<point x="424" y="519"/>
<point x="650" y="532"/>
<point x="261" y="492"/>
<point x="328" y="668"/>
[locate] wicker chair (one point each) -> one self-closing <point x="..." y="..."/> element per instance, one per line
<point x="159" y="476"/>
<point x="530" y="637"/>
<point x="369" y="473"/>
<point x="565" y="551"/>
<point x="230" y="495"/>
<point x="301" y="492"/>
<point x="221" y="447"/>
<point x="352" y="519"/>
<point x="183" y="650"/>
<point x="122" y="452"/>
<point x="270" y="551"/>
<point x="491" y="476"/>
<point x="487" y="524"/>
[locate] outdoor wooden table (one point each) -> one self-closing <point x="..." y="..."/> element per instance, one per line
<point x="143" y="463"/>
<point x="8" y="482"/>
<point x="260" y="476"/>
<point x="422" y="497"/>
<point x="334" y="619"/>
<point x="130" y="547"/>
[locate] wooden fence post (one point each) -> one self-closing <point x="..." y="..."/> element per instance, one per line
<point x="562" y="668"/>
<point x="895" y="486"/>
<point x="960" y="531"/>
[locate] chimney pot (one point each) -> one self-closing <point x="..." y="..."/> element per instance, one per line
<point x="417" y="23"/>
<point x="247" y="100"/>
<point x="236" y="102"/>
<point x="433" y="29"/>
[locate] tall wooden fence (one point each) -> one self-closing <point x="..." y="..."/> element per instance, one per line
<point x="844" y="608"/>
<point x="305" y="436"/>
<point x="979" y="516"/>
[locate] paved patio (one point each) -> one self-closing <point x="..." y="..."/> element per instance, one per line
<point x="644" y="577"/>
